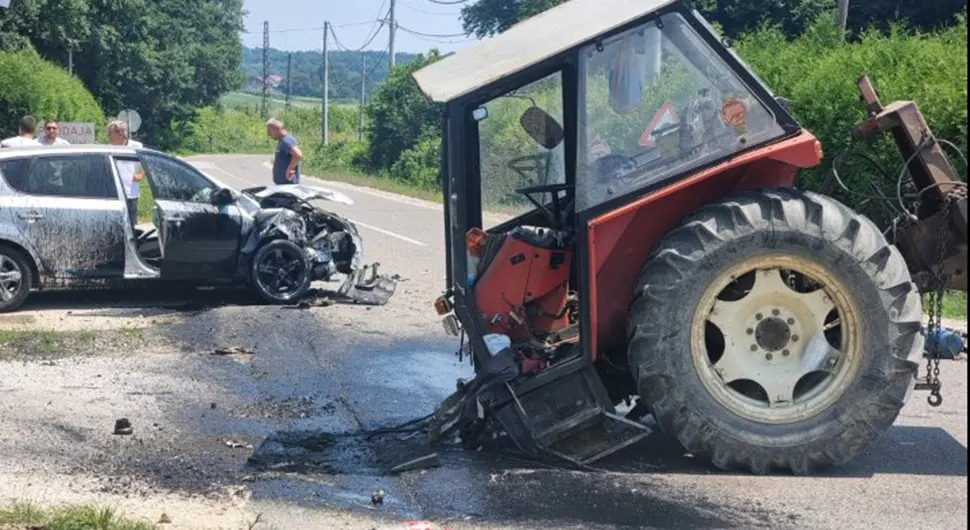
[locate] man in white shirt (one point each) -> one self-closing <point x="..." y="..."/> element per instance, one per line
<point x="52" y="131"/>
<point x="131" y="172"/>
<point x="26" y="134"/>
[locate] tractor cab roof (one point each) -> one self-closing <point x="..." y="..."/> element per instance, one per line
<point x="529" y="43"/>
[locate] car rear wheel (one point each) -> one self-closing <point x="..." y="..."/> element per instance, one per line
<point x="281" y="272"/>
<point x="775" y="330"/>
<point x="16" y="278"/>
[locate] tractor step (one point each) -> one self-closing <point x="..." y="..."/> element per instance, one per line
<point x="566" y="412"/>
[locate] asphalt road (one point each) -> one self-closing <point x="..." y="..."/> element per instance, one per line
<point x="320" y="375"/>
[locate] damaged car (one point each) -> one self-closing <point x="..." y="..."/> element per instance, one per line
<point x="64" y="222"/>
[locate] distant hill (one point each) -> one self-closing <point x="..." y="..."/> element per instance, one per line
<point x="307" y="71"/>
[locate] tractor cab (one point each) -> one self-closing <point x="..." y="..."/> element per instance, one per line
<point x="572" y="144"/>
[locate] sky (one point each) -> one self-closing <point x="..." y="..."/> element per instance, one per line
<point x="297" y="24"/>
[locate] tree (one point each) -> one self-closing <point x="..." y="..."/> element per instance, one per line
<point x="164" y="59"/>
<point x="736" y="17"/>
<point x="400" y="116"/>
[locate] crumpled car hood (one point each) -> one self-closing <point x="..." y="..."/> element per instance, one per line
<point x="304" y="193"/>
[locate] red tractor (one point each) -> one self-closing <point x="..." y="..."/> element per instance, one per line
<point x="656" y="251"/>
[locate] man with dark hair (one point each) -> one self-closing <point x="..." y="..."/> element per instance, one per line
<point x="26" y="134"/>
<point x="52" y="132"/>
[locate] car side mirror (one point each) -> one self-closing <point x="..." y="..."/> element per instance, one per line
<point x="223" y="197"/>
<point x="542" y="127"/>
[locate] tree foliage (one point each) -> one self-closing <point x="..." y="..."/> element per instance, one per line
<point x="736" y="17"/>
<point x="164" y="59"/>
<point x="30" y="85"/>
<point x="307" y="71"/>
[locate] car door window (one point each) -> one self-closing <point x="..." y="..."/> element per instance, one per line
<point x="175" y="181"/>
<point x="80" y="176"/>
<point x="14" y="171"/>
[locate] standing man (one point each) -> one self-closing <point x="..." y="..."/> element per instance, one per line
<point x="26" y="134"/>
<point x="52" y="131"/>
<point x="286" y="164"/>
<point x="131" y="173"/>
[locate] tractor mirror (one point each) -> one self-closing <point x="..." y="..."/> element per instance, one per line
<point x="480" y="114"/>
<point x="542" y="127"/>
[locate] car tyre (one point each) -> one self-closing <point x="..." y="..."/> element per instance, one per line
<point x="16" y="279"/>
<point x="281" y="272"/>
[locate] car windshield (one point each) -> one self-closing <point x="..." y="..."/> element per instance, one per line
<point x="656" y="101"/>
<point x="520" y="142"/>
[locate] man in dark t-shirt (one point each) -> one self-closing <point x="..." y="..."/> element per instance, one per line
<point x="286" y="163"/>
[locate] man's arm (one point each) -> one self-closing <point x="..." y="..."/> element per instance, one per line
<point x="296" y="157"/>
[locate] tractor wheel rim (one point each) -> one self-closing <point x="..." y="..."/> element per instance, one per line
<point x="10" y="278"/>
<point x="784" y="354"/>
<point x="280" y="273"/>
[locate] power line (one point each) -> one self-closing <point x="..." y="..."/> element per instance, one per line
<point x="431" y="35"/>
<point x="423" y="12"/>
<point x="449" y="3"/>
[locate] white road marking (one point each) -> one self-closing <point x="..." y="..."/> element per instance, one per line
<point x="358" y="223"/>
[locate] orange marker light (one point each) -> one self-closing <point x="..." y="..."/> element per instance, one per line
<point x="442" y="306"/>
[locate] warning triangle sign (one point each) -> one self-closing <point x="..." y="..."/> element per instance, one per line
<point x="667" y="115"/>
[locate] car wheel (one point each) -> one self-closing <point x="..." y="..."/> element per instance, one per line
<point x="16" y="277"/>
<point x="281" y="272"/>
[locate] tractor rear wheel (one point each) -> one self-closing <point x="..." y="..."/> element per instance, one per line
<point x="775" y="330"/>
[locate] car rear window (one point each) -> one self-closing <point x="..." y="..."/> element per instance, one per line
<point x="78" y="176"/>
<point x="13" y="171"/>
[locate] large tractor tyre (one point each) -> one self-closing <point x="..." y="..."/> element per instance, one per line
<point x="775" y="330"/>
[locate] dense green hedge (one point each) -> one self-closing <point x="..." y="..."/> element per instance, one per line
<point x="30" y="85"/>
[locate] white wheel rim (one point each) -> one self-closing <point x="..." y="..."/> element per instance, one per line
<point x="10" y="278"/>
<point x="778" y="364"/>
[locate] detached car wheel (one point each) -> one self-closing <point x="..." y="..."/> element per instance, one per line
<point x="775" y="330"/>
<point x="281" y="272"/>
<point x="15" y="279"/>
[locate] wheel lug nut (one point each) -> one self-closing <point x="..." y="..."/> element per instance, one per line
<point x="759" y="316"/>
<point x="750" y="331"/>
<point x="786" y="353"/>
<point x="769" y="356"/>
<point x="791" y="321"/>
<point x="775" y="312"/>
<point x="754" y="347"/>
<point x="794" y="338"/>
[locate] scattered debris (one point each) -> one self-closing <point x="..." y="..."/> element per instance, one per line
<point x="164" y="519"/>
<point x="123" y="427"/>
<point x="232" y="444"/>
<point x="424" y="462"/>
<point x="314" y="299"/>
<point x="377" y="498"/>
<point x="235" y="350"/>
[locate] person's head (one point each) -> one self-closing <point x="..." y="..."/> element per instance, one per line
<point x="52" y="129"/>
<point x="118" y="132"/>
<point x="28" y="126"/>
<point x="275" y="129"/>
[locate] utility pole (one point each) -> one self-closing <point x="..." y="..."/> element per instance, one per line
<point x="393" y="30"/>
<point x="326" y="85"/>
<point x="289" y="86"/>
<point x="363" y="91"/>
<point x="70" y="59"/>
<point x="264" y="107"/>
<point x="843" y="6"/>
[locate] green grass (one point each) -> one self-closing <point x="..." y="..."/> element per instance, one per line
<point x="146" y="202"/>
<point x="954" y="305"/>
<point x="243" y="100"/>
<point x="25" y="515"/>
<point x="379" y="183"/>
<point x="48" y="345"/>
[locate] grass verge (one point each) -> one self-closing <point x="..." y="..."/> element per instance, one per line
<point x="28" y="516"/>
<point x="379" y="183"/>
<point x="18" y="345"/>
<point x="954" y="305"/>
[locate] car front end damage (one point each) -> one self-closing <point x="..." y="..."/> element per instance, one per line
<point x="331" y="244"/>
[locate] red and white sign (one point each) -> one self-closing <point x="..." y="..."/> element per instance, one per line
<point x="78" y="132"/>
<point x="667" y="115"/>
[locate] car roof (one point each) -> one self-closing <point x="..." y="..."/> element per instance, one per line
<point x="529" y="43"/>
<point x="31" y="150"/>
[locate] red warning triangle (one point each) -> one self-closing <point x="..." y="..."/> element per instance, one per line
<point x="667" y="115"/>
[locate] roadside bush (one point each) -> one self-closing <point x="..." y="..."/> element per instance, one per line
<point x="818" y="72"/>
<point x="30" y="85"/>
<point x="420" y="164"/>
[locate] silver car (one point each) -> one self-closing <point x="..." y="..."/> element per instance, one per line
<point x="64" y="223"/>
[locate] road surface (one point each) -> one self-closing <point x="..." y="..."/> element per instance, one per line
<point x="319" y="374"/>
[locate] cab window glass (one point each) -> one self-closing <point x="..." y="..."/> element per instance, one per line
<point x="658" y="101"/>
<point x="84" y="176"/>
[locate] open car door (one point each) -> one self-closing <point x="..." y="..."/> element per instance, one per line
<point x="199" y="238"/>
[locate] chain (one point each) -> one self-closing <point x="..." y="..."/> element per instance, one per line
<point x="935" y="324"/>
